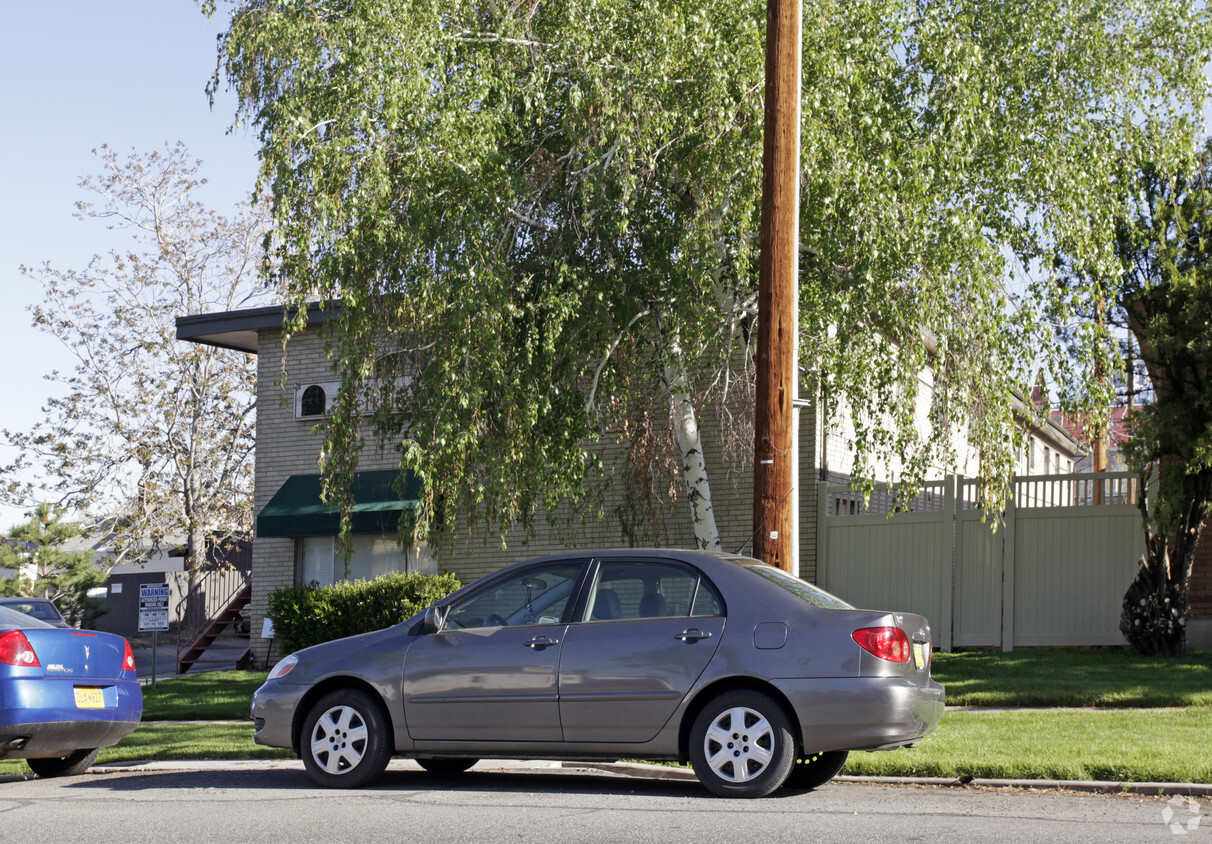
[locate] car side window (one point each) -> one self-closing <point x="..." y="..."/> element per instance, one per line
<point x="628" y="589"/>
<point x="532" y="596"/>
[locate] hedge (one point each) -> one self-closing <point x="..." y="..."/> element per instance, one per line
<point x="310" y="614"/>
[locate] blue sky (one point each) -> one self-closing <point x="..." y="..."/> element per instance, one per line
<point x="78" y="74"/>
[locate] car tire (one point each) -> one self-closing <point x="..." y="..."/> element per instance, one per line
<point x="741" y="745"/>
<point x="346" y="742"/>
<point x="445" y="766"/>
<point x="814" y="771"/>
<point x="76" y="762"/>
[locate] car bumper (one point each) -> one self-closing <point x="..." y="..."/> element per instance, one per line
<point x="34" y="739"/>
<point x="877" y="713"/>
<point x="273" y="712"/>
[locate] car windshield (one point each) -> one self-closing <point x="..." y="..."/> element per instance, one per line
<point x="804" y="591"/>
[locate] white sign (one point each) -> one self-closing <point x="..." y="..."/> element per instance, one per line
<point x="153" y="606"/>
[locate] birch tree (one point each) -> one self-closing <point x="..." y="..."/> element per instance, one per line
<point x="515" y="202"/>
<point x="148" y="439"/>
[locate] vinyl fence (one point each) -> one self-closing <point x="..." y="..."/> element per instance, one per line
<point x="1053" y="572"/>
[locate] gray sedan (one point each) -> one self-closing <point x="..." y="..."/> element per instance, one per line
<point x="755" y="677"/>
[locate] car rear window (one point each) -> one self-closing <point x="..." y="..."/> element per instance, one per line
<point x="804" y="591"/>
<point x="11" y="619"/>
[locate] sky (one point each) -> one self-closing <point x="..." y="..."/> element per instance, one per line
<point x="79" y="74"/>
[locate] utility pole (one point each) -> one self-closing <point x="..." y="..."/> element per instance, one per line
<point x="774" y="459"/>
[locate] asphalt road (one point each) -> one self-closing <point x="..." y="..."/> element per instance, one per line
<point x="275" y="801"/>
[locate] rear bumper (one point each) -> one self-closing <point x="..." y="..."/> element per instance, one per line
<point x="876" y="713"/>
<point x="58" y="738"/>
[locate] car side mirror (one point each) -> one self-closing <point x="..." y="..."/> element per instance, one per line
<point x="434" y="619"/>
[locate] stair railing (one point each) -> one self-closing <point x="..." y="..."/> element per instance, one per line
<point x="212" y="590"/>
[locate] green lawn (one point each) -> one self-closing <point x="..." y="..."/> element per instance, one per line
<point x="1120" y="745"/>
<point x="208" y="696"/>
<point x="1110" y="677"/>
<point x="1119" y="742"/>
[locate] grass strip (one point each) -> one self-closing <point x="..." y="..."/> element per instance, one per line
<point x="168" y="741"/>
<point x="1113" y="745"/>
<point x="209" y="696"/>
<point x="1074" y="677"/>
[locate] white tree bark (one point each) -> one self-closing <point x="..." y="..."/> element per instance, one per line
<point x="690" y="447"/>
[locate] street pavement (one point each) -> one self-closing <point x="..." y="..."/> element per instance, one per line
<point x="274" y="800"/>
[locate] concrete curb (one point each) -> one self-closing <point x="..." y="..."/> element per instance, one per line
<point x="667" y="772"/>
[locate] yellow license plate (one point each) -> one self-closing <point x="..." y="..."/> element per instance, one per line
<point x="89" y="698"/>
<point x="919" y="655"/>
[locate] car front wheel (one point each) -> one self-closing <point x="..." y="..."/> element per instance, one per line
<point x="816" y="770"/>
<point x="741" y="745"/>
<point x="70" y="765"/>
<point x="346" y="742"/>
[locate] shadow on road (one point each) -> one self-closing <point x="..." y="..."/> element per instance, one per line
<point x="571" y="781"/>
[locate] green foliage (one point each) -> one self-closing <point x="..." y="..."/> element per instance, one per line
<point x="310" y="614"/>
<point x="39" y="566"/>
<point x="514" y="202"/>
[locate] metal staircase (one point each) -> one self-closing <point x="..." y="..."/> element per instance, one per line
<point x="194" y="652"/>
<point x="212" y="605"/>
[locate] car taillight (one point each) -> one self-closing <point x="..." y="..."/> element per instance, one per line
<point x="128" y="658"/>
<point x="15" y="649"/>
<point x="888" y="643"/>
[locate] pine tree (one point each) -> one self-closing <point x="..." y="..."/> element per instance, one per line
<point x="42" y="567"/>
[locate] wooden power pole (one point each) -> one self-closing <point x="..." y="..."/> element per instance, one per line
<point x="774" y="469"/>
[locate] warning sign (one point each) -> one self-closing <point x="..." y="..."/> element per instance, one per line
<point x="153" y="606"/>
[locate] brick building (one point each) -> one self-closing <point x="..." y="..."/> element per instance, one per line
<point x="295" y="531"/>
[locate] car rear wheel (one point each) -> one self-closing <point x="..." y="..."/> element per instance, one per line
<point x="741" y="745"/>
<point x="445" y="766"/>
<point x="816" y="770"/>
<point x="346" y="742"/>
<point x="76" y="762"/>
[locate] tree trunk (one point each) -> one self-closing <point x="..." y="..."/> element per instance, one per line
<point x="1154" y="617"/>
<point x="1155" y="610"/>
<point x="690" y="448"/>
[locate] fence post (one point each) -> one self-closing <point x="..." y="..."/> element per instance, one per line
<point x="1008" y="570"/>
<point x="947" y="568"/>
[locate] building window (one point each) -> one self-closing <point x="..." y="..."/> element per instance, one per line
<point x="314" y="401"/>
<point x="373" y="555"/>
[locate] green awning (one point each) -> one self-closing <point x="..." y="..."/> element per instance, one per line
<point x="296" y="508"/>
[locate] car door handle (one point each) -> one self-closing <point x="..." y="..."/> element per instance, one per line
<point x="540" y="642"/>
<point x="693" y="635"/>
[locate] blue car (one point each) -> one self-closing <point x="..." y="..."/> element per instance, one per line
<point x="63" y="694"/>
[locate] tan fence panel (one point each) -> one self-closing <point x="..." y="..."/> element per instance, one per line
<point x="1054" y="572"/>
<point x="877" y="562"/>
<point x="1072" y="566"/>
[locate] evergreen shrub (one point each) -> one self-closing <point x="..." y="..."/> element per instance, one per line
<point x="309" y="614"/>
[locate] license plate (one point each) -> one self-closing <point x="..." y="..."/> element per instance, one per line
<point x="88" y="697"/>
<point x="919" y="655"/>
